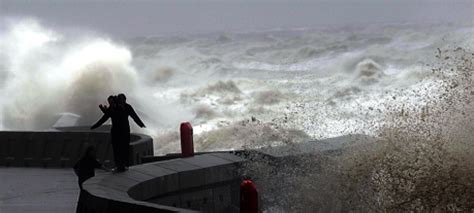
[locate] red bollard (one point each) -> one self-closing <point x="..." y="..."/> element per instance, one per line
<point x="248" y="197"/>
<point x="187" y="146"/>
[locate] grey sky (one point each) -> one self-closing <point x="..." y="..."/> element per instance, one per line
<point x="132" y="18"/>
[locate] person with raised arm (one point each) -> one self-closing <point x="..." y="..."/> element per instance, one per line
<point x="119" y="111"/>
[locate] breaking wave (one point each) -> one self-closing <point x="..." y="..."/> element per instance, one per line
<point x="420" y="158"/>
<point x="408" y="87"/>
<point x="49" y="74"/>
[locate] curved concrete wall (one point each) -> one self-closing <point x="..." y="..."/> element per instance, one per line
<point x="208" y="183"/>
<point x="63" y="149"/>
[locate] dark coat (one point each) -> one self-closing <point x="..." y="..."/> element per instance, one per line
<point x="85" y="168"/>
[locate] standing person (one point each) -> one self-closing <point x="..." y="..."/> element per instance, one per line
<point x="85" y="169"/>
<point x="119" y="111"/>
<point x="125" y="139"/>
<point x="116" y="114"/>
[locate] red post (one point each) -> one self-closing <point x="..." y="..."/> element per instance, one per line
<point x="248" y="197"/>
<point x="187" y="147"/>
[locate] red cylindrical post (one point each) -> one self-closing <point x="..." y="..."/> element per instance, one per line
<point x="248" y="197"/>
<point x="187" y="147"/>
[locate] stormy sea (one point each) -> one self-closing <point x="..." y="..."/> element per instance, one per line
<point x="409" y="86"/>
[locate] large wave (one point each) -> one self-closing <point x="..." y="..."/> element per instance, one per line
<point x="47" y="73"/>
<point x="420" y="160"/>
<point x="322" y="82"/>
<point x="408" y="86"/>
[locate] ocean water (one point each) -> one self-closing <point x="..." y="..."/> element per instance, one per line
<point x="408" y="85"/>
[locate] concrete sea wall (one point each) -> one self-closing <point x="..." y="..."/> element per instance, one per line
<point x="207" y="183"/>
<point x="63" y="148"/>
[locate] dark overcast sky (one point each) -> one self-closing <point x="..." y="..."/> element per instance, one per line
<point x="132" y="18"/>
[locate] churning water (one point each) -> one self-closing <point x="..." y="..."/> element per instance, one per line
<point x="408" y="86"/>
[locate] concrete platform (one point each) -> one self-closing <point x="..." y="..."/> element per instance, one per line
<point x="38" y="190"/>
<point x="208" y="183"/>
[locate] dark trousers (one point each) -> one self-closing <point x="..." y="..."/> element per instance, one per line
<point x="121" y="147"/>
<point x="81" y="206"/>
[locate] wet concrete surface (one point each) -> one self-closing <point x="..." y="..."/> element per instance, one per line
<point x="38" y="190"/>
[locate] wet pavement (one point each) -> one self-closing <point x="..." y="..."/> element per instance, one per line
<point x="38" y="190"/>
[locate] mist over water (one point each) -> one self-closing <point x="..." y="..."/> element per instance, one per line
<point x="408" y="86"/>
